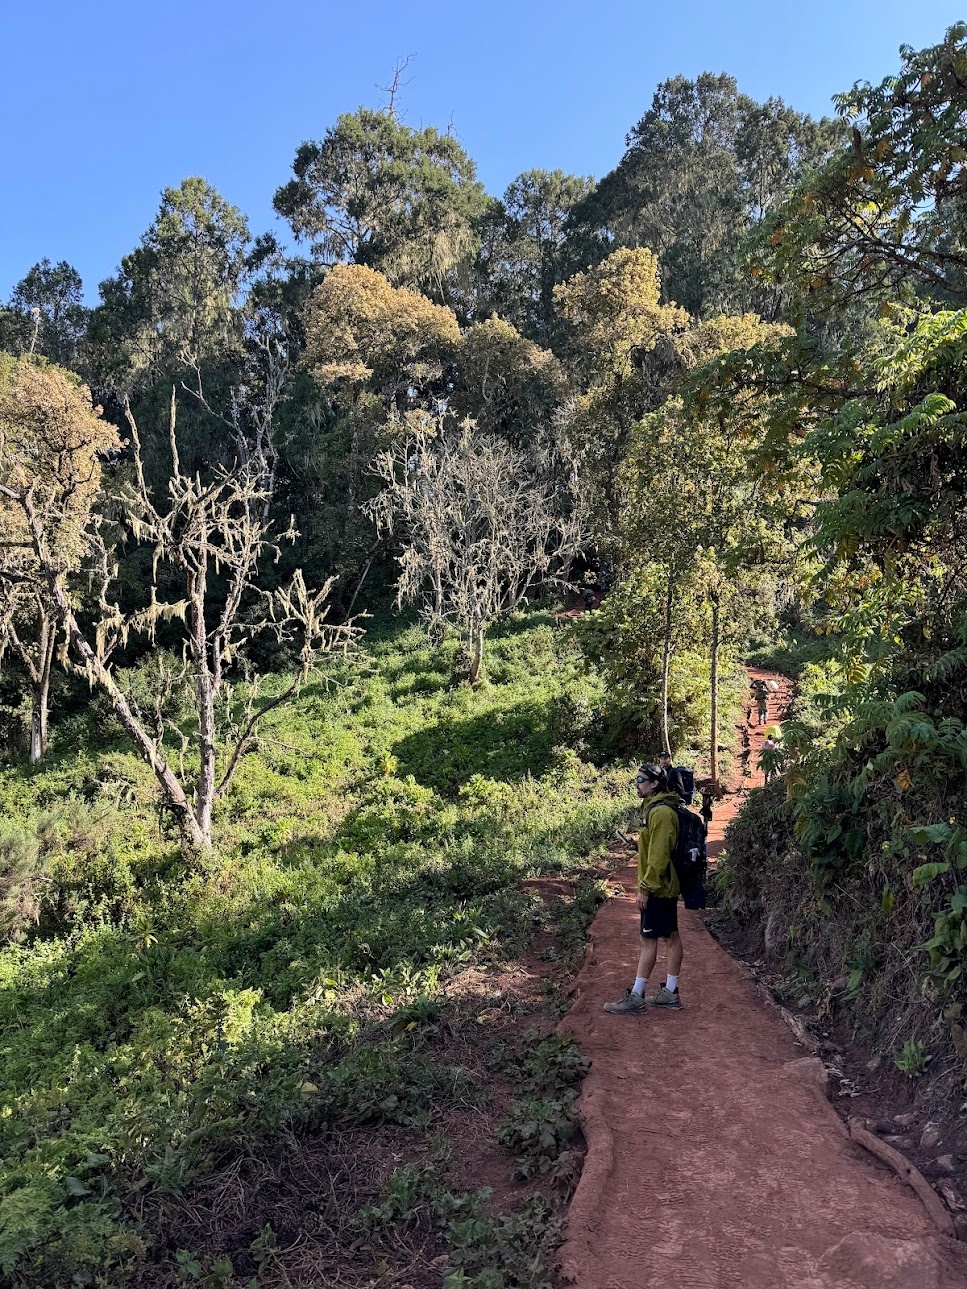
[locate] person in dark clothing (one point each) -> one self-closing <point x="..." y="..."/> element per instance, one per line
<point x="673" y="776"/>
<point x="760" y="693"/>
<point x="708" y="797"/>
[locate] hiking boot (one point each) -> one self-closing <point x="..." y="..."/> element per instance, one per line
<point x="631" y="1002"/>
<point x="667" y="998"/>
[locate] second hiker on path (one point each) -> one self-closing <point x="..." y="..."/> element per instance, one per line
<point x="760" y="693"/>
<point x="673" y="776"/>
<point x="658" y="892"/>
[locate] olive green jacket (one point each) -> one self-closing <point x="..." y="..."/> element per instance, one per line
<point x="656" y="841"/>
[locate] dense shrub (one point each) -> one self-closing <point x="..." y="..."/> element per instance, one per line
<point x="855" y="880"/>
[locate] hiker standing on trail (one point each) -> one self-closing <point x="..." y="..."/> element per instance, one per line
<point x="709" y="796"/>
<point x="760" y="693"/>
<point x="673" y="776"/>
<point x="658" y="891"/>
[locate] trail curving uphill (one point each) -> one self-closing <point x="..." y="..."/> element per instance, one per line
<point x="714" y="1159"/>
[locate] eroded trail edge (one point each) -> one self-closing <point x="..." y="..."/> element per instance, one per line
<point x="714" y="1158"/>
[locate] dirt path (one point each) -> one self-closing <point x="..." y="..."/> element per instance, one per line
<point x="714" y="1159"/>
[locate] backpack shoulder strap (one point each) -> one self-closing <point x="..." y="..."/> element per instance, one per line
<point x="654" y="805"/>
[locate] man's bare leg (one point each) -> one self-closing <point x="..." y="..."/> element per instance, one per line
<point x="674" y="954"/>
<point x="647" y="958"/>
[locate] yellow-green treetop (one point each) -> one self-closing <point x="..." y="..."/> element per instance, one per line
<point x="615" y="310"/>
<point x="51" y="443"/>
<point x="508" y="384"/>
<point x="361" y="327"/>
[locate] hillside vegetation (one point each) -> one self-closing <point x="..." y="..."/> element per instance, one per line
<point x="162" y="1020"/>
<point x="265" y="840"/>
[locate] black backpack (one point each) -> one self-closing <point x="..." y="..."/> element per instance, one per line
<point x="688" y="783"/>
<point x="689" y="853"/>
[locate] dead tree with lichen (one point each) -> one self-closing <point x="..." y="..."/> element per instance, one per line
<point x="479" y="522"/>
<point x="205" y="531"/>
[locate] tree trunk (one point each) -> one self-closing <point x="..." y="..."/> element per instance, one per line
<point x="40" y="690"/>
<point x="713" y="759"/>
<point x="476" y="652"/>
<point x="205" y="690"/>
<point x="361" y="579"/>
<point x="38" y="721"/>
<point x="171" y="789"/>
<point x="666" y="662"/>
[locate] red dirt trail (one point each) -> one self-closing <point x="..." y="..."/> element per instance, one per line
<point x="714" y="1159"/>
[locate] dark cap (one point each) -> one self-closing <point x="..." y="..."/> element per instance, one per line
<point x="653" y="772"/>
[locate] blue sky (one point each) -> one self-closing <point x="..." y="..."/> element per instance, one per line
<point x="110" y="101"/>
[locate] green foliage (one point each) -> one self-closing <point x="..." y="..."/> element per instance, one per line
<point x="172" y="303"/>
<point x="622" y="639"/>
<point x="378" y="193"/>
<point x="541" y="1125"/>
<point x="703" y="166"/>
<point x="885" y="215"/>
<point x="20" y="877"/>
<point x="912" y="1060"/>
<point x="485" y="1251"/>
<point x="537" y="1132"/>
<point x="47" y="314"/>
<point x="161" y="1017"/>
<point x="523" y="247"/>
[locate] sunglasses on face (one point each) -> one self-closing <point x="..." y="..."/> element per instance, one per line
<point x="642" y="778"/>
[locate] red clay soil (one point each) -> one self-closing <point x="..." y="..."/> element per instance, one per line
<point x="714" y="1159"/>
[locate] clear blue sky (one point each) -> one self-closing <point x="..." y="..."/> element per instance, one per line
<point x="109" y="101"/>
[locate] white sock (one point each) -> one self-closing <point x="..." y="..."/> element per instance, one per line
<point x="640" y="983"/>
<point x="671" y="983"/>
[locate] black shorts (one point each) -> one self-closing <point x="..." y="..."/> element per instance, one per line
<point x="660" y="919"/>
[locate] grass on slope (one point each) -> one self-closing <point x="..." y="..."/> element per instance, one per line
<point x="159" y="1019"/>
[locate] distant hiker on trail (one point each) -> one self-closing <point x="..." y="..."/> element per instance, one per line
<point x="709" y="795"/>
<point x="760" y="693"/>
<point x="658" y="891"/>
<point x="675" y="778"/>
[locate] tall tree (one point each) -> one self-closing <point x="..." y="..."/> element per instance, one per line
<point x="377" y="193"/>
<point x="702" y="166"/>
<point x="47" y="314"/>
<point x="379" y="355"/>
<point x="887" y="214"/>
<point x="619" y="334"/>
<point x="173" y="306"/>
<point x="510" y="386"/>
<point x="521" y="254"/>
<point x="386" y="361"/>
<point x="51" y="444"/>
<point x="479" y="523"/>
<point x="211" y="535"/>
<point x="695" y="530"/>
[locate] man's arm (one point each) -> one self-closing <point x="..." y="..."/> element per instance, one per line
<point x="659" y="837"/>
